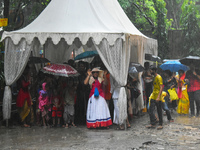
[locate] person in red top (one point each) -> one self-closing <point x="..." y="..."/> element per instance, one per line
<point x="23" y="98"/>
<point x="193" y="81"/>
<point x="98" y="114"/>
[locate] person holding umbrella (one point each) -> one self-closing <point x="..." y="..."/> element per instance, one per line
<point x="193" y="81"/>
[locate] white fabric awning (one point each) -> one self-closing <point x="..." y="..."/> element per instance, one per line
<point x="69" y="19"/>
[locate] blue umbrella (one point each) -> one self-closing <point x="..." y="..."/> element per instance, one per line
<point x="86" y="54"/>
<point x="174" y="66"/>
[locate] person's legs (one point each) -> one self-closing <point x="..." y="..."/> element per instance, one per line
<point x="148" y="91"/>
<point x="43" y="119"/>
<point x="159" y="111"/>
<point x="166" y="109"/>
<point x="151" y="112"/>
<point x="191" y="98"/>
<point x="197" y="100"/>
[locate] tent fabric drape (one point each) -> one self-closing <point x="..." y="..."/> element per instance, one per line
<point x="59" y="53"/>
<point x="36" y="52"/>
<point x="140" y="46"/>
<point x="116" y="59"/>
<point x="15" y="60"/>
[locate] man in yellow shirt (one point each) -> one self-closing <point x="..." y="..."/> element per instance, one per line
<point x="156" y="100"/>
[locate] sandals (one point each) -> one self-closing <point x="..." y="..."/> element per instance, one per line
<point x="150" y="126"/>
<point x="120" y="128"/>
<point x="66" y="126"/>
<point x="128" y="126"/>
<point x="74" y="125"/>
<point x="26" y="126"/>
<point x="159" y="127"/>
<point x="172" y="120"/>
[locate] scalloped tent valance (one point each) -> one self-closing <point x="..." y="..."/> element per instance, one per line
<point x="68" y="37"/>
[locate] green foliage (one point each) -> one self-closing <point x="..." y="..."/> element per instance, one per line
<point x="162" y="26"/>
<point x="190" y="24"/>
<point x="150" y="15"/>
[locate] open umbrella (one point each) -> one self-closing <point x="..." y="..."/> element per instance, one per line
<point x="86" y="54"/>
<point x="191" y="60"/>
<point x="60" y="70"/>
<point x="153" y="58"/>
<point x="174" y="66"/>
<point x="135" y="68"/>
<point x="37" y="60"/>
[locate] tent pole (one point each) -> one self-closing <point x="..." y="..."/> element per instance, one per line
<point x="73" y="53"/>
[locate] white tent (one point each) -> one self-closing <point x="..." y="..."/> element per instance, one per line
<point x="65" y="25"/>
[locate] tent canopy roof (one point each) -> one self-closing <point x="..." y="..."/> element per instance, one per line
<point x="69" y="19"/>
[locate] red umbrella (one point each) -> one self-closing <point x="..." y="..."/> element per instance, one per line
<point x="60" y="70"/>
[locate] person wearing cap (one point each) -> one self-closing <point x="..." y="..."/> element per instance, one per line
<point x="156" y="99"/>
<point x="98" y="114"/>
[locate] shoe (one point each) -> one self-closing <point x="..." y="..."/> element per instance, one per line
<point x="159" y="127"/>
<point x="172" y="120"/>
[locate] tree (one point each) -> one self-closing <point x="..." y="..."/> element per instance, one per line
<point x="14" y="11"/>
<point x="190" y="23"/>
<point x="150" y="15"/>
<point x="162" y="27"/>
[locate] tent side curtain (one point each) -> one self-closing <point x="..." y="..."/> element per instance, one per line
<point x="116" y="59"/>
<point x="139" y="46"/>
<point x="15" y="60"/>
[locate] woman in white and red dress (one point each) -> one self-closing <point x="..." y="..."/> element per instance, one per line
<point x="98" y="114"/>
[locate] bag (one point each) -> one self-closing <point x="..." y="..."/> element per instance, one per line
<point x="173" y="94"/>
<point x="96" y="93"/>
<point x="135" y="93"/>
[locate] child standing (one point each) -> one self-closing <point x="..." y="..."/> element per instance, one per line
<point x="56" y="109"/>
<point x="44" y="103"/>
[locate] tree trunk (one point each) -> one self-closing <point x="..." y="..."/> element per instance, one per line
<point x="6" y="8"/>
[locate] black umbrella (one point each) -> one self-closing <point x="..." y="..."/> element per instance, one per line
<point x="153" y="58"/>
<point x="135" y="68"/>
<point x="37" y="60"/>
<point x="191" y="60"/>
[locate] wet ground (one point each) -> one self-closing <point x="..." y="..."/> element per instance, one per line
<point x="182" y="134"/>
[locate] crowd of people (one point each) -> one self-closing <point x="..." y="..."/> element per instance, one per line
<point x="176" y="91"/>
<point x="65" y="101"/>
<point x="88" y="99"/>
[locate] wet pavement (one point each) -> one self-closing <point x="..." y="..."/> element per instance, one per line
<point x="182" y="134"/>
